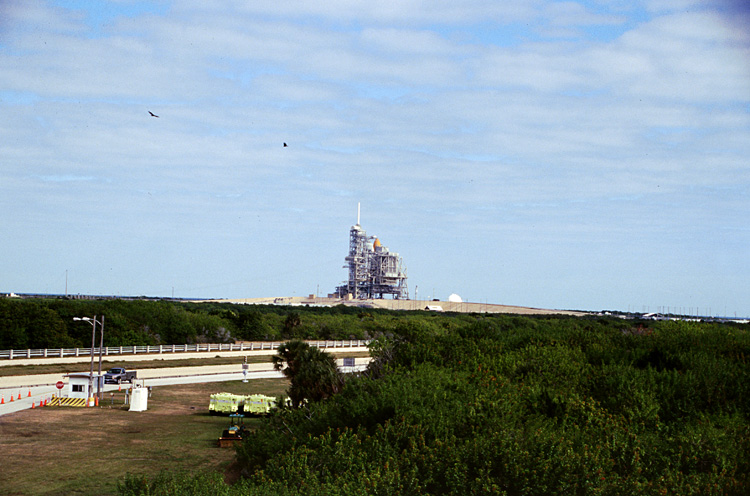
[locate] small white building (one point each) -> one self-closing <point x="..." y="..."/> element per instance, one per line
<point x="78" y="385"/>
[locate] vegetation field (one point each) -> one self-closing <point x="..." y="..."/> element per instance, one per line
<point x="514" y="406"/>
<point x="86" y="451"/>
<point x="452" y="404"/>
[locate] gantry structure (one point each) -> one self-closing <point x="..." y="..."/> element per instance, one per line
<point x="374" y="271"/>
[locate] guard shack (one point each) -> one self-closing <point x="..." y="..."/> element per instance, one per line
<point x="78" y="386"/>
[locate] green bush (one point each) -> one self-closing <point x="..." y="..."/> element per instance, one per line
<point x="521" y="406"/>
<point x="524" y="406"/>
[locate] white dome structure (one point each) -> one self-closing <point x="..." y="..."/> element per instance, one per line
<point x="454" y="298"/>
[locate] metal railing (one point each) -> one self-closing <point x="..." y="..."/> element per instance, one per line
<point x="171" y="348"/>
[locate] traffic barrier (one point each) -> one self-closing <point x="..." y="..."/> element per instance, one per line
<point x="78" y="402"/>
<point x="126" y="350"/>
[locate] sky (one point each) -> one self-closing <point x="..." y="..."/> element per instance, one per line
<point x="586" y="155"/>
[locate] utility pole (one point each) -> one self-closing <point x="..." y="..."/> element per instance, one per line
<point x="91" y="374"/>
<point x="99" y="384"/>
<point x="93" y="323"/>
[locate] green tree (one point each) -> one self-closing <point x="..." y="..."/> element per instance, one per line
<point x="313" y="373"/>
<point x="250" y="325"/>
<point x="291" y="322"/>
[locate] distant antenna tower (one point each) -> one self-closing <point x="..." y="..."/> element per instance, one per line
<point x="373" y="270"/>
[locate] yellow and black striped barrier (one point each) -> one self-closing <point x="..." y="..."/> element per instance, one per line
<point x="67" y="402"/>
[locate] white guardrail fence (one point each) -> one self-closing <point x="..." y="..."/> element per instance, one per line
<point x="171" y="348"/>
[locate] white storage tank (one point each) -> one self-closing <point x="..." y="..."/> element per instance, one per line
<point x="138" y="399"/>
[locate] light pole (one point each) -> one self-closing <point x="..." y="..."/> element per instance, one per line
<point x="93" y="323"/>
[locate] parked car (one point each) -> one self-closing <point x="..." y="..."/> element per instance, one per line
<point x="118" y="374"/>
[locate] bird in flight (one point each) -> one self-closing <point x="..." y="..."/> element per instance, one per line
<point x="285" y="144"/>
<point x="153" y="114"/>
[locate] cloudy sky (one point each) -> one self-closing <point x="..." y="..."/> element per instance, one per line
<point x="573" y="155"/>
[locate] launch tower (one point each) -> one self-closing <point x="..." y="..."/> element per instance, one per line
<point x="373" y="270"/>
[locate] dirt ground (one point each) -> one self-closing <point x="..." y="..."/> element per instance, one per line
<point x="86" y="451"/>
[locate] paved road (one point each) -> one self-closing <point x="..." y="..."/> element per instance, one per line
<point x="10" y="382"/>
<point x="35" y="388"/>
<point x="14" y="382"/>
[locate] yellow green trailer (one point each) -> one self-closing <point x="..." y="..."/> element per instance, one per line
<point x="228" y="403"/>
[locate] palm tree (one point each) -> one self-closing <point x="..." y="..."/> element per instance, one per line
<point x="313" y="373"/>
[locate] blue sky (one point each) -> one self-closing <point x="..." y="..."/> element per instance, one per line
<point x="571" y="155"/>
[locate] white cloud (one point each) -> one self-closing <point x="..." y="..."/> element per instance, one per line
<point x="576" y="14"/>
<point x="448" y="139"/>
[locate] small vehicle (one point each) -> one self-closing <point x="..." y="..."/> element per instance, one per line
<point x="118" y="374"/>
<point x="235" y="431"/>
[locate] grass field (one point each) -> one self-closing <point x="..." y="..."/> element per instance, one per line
<point x="85" y="451"/>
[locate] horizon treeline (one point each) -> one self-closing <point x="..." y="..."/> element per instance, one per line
<point x="48" y="322"/>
